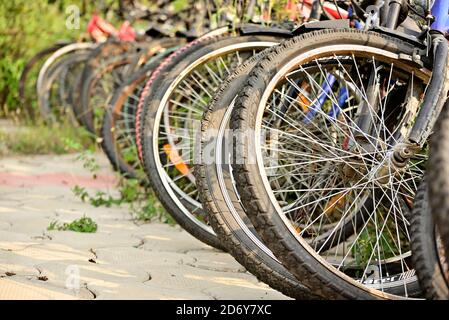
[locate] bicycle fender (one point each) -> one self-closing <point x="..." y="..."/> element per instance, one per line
<point x="255" y="29"/>
<point x="318" y="25"/>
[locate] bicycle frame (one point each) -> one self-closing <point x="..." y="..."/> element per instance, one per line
<point x="440" y="11"/>
<point x="439" y="83"/>
<point x="430" y="106"/>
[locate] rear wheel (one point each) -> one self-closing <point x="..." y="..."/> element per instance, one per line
<point x="27" y="90"/>
<point x="109" y="68"/>
<point x="45" y="111"/>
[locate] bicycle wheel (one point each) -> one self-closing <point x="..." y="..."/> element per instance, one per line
<point x="220" y="199"/>
<point x="45" y="111"/>
<point x="322" y="192"/>
<point x="173" y="107"/>
<point x="429" y="257"/>
<point x="69" y="83"/>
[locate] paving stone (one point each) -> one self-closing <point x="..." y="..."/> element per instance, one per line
<point x="135" y="256"/>
<point x="220" y="285"/>
<point x="73" y="274"/>
<point x="12" y="263"/>
<point x="4" y="225"/>
<point x="122" y="260"/>
<point x="13" y="241"/>
<point x="262" y="292"/>
<point x="214" y="260"/>
<point x="87" y="241"/>
<point x="160" y="237"/>
<point x="44" y="252"/>
<point x="6" y="209"/>
<point x="144" y="292"/>
<point x="22" y="289"/>
<point x="32" y="225"/>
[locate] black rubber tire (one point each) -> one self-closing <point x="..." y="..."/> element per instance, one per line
<point x="295" y="257"/>
<point x="438" y="181"/>
<point x="163" y="67"/>
<point x="70" y="79"/>
<point x="238" y="241"/>
<point x="425" y="257"/>
<point x="151" y="101"/>
<point x="108" y="142"/>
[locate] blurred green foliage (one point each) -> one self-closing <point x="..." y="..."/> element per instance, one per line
<point x="84" y="224"/>
<point x="27" y="27"/>
<point x="40" y="139"/>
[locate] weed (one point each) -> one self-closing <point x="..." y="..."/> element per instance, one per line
<point x="150" y="209"/>
<point x="103" y="199"/>
<point x="89" y="162"/>
<point x="373" y="246"/>
<point x="130" y="190"/>
<point x="98" y="200"/>
<point x="84" y="224"/>
<point x="80" y="192"/>
<point x="143" y="204"/>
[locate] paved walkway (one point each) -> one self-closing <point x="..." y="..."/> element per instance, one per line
<point x="122" y="260"/>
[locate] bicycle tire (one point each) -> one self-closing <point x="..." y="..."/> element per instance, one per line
<point x="56" y="75"/>
<point x="426" y="256"/>
<point x="438" y="182"/>
<point x="108" y="133"/>
<point x="124" y="54"/>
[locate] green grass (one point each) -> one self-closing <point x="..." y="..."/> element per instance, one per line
<point x="143" y="204"/>
<point x="42" y="139"/>
<point x="84" y="224"/>
<point x="152" y="210"/>
<point x="366" y="243"/>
